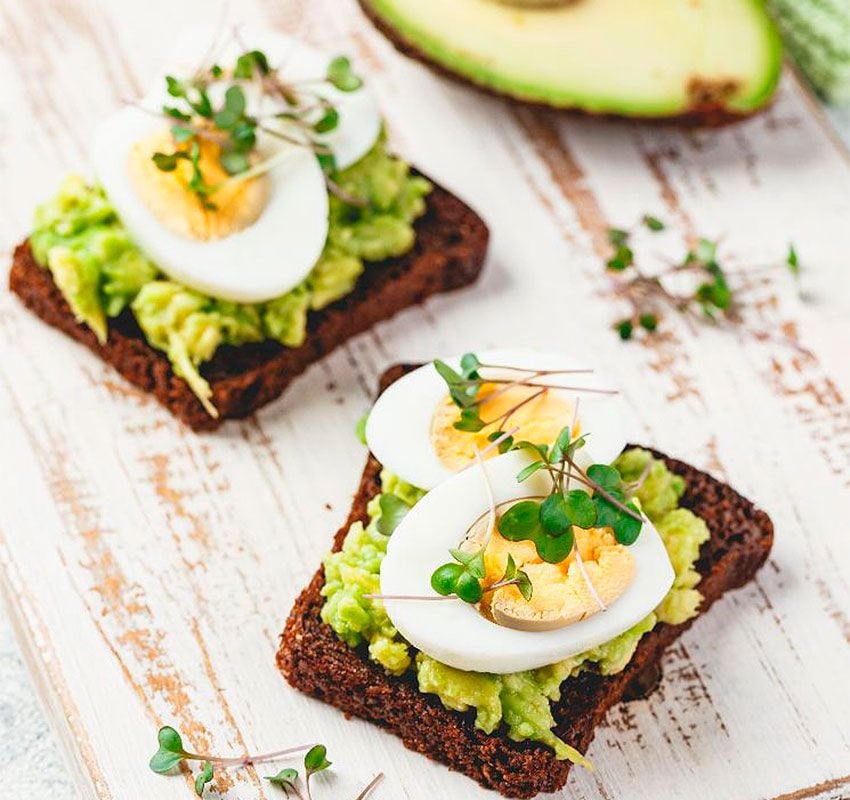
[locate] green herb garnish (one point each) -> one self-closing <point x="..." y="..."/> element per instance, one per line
<point x="314" y="761"/>
<point x="360" y="428"/>
<point x="465" y="391"/>
<point x="341" y="76"/>
<point x="653" y="223"/>
<point x="302" y="106"/>
<point x="793" y="261"/>
<point x="204" y="777"/>
<point x="393" y="511"/>
<point x="172" y="753"/>
<point x="286" y="779"/>
<point x="462" y="577"/>
<point x="715" y="295"/>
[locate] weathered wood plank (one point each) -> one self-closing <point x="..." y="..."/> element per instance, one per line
<point x="149" y="570"/>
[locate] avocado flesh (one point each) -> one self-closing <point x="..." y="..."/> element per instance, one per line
<point x="646" y="58"/>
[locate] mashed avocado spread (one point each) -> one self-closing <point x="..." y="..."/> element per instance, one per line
<point x="521" y="700"/>
<point x="77" y="236"/>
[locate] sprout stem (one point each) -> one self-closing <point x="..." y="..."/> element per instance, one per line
<point x="565" y="484"/>
<point x="370" y="786"/>
<point x="512" y="384"/>
<point x="335" y="189"/>
<point x="500" y="585"/>
<point x="507" y="386"/>
<point x="537" y="371"/>
<point x="635" y="487"/>
<point x="422" y="597"/>
<point x="494" y="444"/>
<point x="503" y="420"/>
<point x="591" y="588"/>
<point x="491" y="513"/>
<point x="247" y="761"/>
<point x="258" y="169"/>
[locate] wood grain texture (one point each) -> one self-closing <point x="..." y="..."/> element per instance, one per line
<point x="149" y="571"/>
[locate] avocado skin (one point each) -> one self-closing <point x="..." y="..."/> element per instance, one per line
<point x="702" y="114"/>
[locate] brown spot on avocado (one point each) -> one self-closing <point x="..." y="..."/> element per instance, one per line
<point x="711" y="93"/>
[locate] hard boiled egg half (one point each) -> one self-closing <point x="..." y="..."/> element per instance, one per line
<point x="410" y="429"/>
<point x="575" y="605"/>
<point x="266" y="233"/>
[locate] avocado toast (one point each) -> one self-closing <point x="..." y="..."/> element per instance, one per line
<point x="706" y="62"/>
<point x="438" y="710"/>
<point x="249" y="218"/>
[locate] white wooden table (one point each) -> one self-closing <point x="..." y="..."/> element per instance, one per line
<point x="148" y="571"/>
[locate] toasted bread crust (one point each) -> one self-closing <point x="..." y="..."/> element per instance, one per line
<point x="451" y="242"/>
<point x="316" y="661"/>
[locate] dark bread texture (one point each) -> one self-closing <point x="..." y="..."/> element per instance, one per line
<point x="705" y="111"/>
<point x="315" y="661"/>
<point x="451" y="242"/>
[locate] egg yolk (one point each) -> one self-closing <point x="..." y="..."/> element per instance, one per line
<point x="560" y="592"/>
<point x="238" y="204"/>
<point x="539" y="420"/>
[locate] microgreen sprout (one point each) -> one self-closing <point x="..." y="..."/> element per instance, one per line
<point x="515" y="577"/>
<point x="393" y="511"/>
<point x="715" y="294"/>
<point x="463" y="580"/>
<point x="461" y="577"/>
<point x="465" y="391"/>
<point x="172" y="753"/>
<point x="792" y="261"/>
<point x="360" y="428"/>
<point x="301" y="114"/>
<point x="204" y="777"/>
<point x="499" y="440"/>
<point x="286" y="779"/>
<point x="315" y="761"/>
<point x="653" y="223"/>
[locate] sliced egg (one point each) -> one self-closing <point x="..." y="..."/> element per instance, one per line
<point x="264" y="237"/>
<point x="457" y="633"/>
<point x="254" y="264"/>
<point x="410" y="427"/>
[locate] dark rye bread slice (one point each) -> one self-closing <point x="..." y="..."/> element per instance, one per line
<point x="315" y="661"/>
<point x="451" y="242"/>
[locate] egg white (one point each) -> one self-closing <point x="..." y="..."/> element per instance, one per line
<point x="452" y="631"/>
<point x="278" y="251"/>
<point x="398" y="430"/>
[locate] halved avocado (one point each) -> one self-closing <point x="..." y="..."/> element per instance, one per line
<point x="636" y="58"/>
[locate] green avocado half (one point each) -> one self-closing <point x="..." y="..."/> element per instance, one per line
<point x="635" y="58"/>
